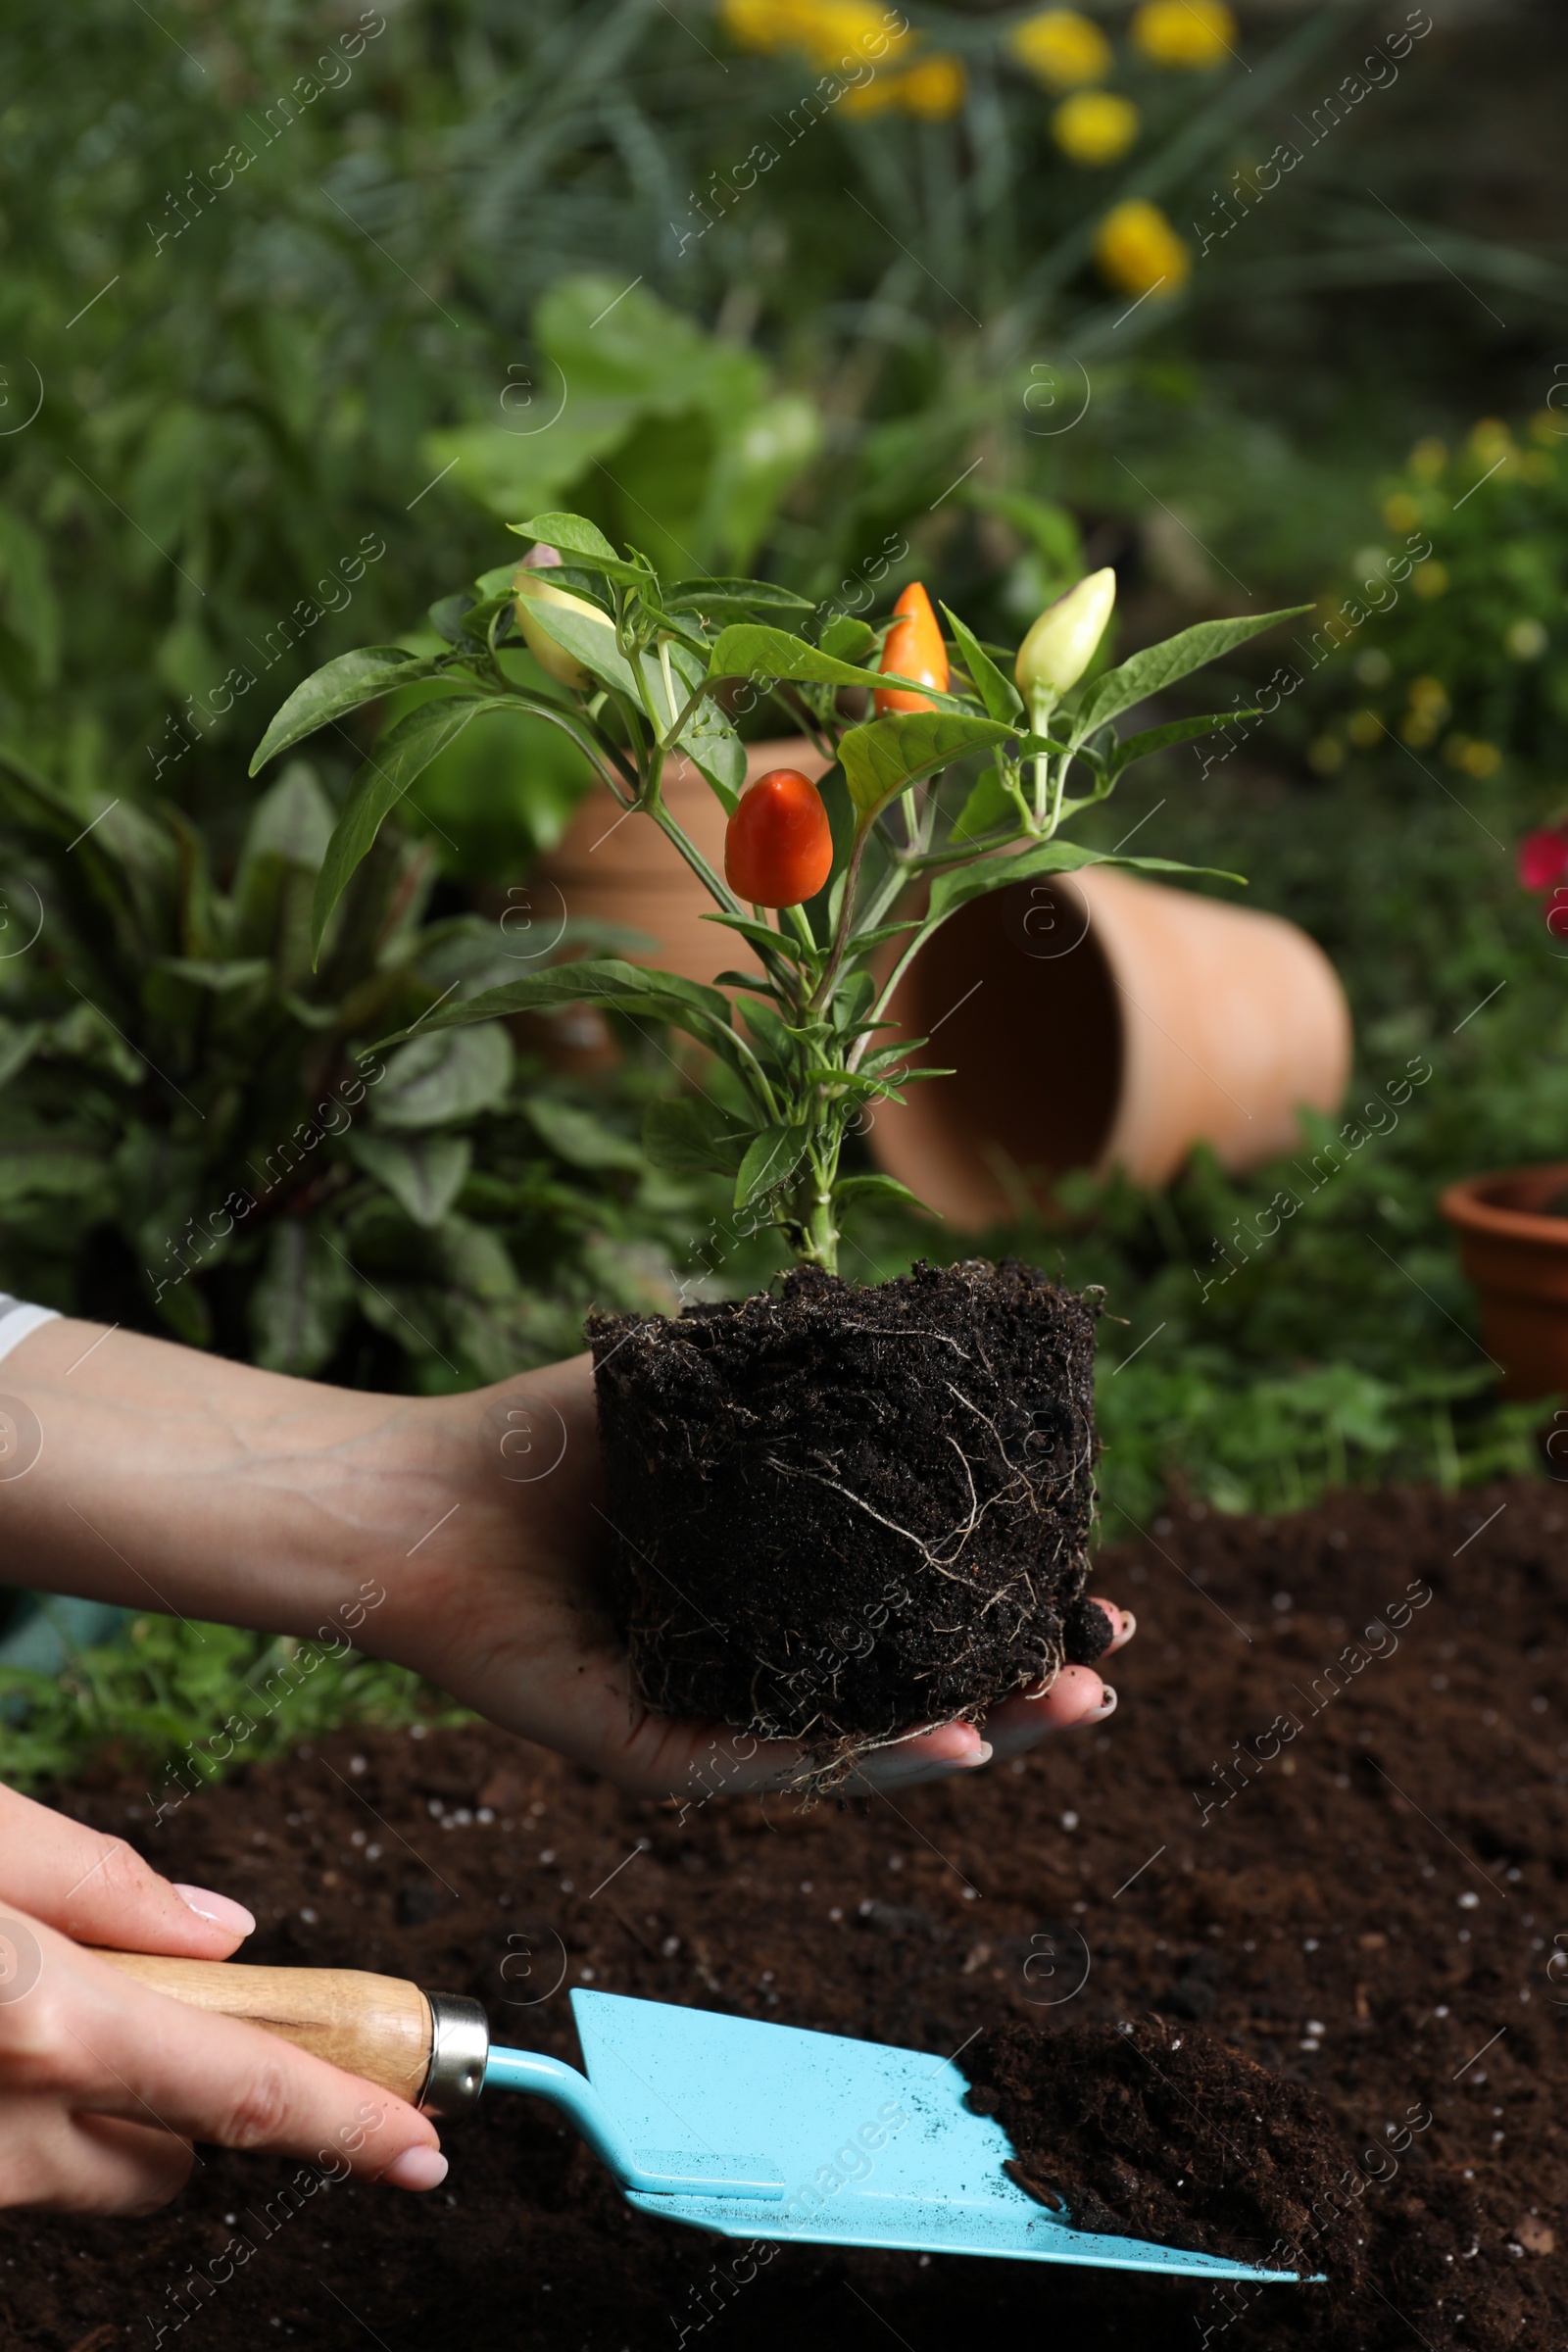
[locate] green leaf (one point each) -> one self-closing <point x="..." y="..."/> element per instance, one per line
<point x="575" y="535"/>
<point x="988" y="806"/>
<point x="884" y="755"/>
<point x="301" y="1304"/>
<point x="18" y="1039"/>
<point x="1161" y="666"/>
<point x="423" y="1176"/>
<point x="954" y="890"/>
<point x="732" y="598"/>
<point x="747" y="651"/>
<point x="692" y="1136"/>
<point x="999" y="694"/>
<point x="848" y="639"/>
<point x="42" y="1168"/>
<point x="762" y="934"/>
<point x="343" y="685"/>
<point x="400" y="754"/>
<point x="709" y="738"/>
<point x="606" y="981"/>
<point x="1180" y="730"/>
<point x="772" y="1032"/>
<point x="577" y="1137"/>
<point x="221" y="979"/>
<point x="435" y="1078"/>
<point x="771" y="1159"/>
<point x="446" y="617"/>
<point x="856" y="1189"/>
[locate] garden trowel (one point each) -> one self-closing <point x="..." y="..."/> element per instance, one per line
<point x="754" y="2131"/>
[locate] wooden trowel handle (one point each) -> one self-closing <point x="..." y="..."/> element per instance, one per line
<point x="378" y="2027"/>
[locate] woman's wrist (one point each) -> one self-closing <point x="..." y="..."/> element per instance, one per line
<point x="147" y="1474"/>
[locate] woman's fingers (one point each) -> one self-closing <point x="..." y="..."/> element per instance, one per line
<point x="98" y="1890"/>
<point x="695" y="1762"/>
<point x="1078" y="1699"/>
<point x="102" y="2042"/>
<point x="1124" y="1623"/>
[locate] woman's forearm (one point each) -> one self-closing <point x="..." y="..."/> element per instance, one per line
<point x="159" y="1477"/>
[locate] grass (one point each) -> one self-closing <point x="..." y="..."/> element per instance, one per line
<point x="187" y="1704"/>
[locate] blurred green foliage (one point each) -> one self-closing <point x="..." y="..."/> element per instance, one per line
<point x="156" y="1699"/>
<point x="195" y="1137"/>
<point x="1465" y="665"/>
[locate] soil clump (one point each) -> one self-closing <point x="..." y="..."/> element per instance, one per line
<point x="1156" y="2129"/>
<point x="843" y="1512"/>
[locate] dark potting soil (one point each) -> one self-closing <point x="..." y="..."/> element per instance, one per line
<point x="1328" y="1823"/>
<point x="843" y="1512"/>
<point x="1153" y="2129"/>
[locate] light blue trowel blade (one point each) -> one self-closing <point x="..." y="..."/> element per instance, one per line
<point x="875" y="2145"/>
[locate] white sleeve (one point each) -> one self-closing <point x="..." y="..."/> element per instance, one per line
<point x="17" y="1319"/>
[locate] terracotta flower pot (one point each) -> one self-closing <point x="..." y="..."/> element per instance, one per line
<point x="1516" y="1253"/>
<point x="610" y="868"/>
<point x="1101" y="1021"/>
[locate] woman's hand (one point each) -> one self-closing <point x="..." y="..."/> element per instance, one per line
<point x="507" y="1613"/>
<point x="463" y="1535"/>
<point x="103" y="2084"/>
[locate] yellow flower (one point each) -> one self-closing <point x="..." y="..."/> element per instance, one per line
<point x="1325" y="754"/>
<point x="827" y="32"/>
<point x="1365" y="729"/>
<point x="1401" y="513"/>
<point x="1430" y="579"/>
<point x="1477" y="758"/>
<point x="1095" y="127"/>
<point x="933" y="89"/>
<point x="1137" y="250"/>
<point x="1061" y="48"/>
<point x="1185" y="32"/>
<point x="1430" y="696"/>
<point x="1491" y="440"/>
<point x="1427" y="458"/>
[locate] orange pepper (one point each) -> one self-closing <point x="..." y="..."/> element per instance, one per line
<point x="915" y="649"/>
<point x="778" y="845"/>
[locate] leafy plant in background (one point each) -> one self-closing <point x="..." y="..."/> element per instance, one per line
<point x="261" y="274"/>
<point x="158" y="1699"/>
<point x="194" y="1134"/>
<point x="643" y="664"/>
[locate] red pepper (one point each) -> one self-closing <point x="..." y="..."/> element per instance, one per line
<point x="913" y="650"/>
<point x="778" y="848"/>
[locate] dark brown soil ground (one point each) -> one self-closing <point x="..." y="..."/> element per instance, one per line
<point x="1374" y="1907"/>
<point x="1153" y="2129"/>
<point x="841" y="1511"/>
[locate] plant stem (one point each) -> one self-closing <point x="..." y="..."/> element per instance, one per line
<point x="812" y="1226"/>
<point x="822" y="994"/>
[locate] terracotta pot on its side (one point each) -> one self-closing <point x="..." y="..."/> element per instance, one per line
<point x="611" y="867"/>
<point x="1100" y="1022"/>
<point x="1516" y="1253"/>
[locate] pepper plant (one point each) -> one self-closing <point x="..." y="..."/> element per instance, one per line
<point x="842" y="891"/>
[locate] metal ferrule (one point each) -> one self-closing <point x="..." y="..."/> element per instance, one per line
<point x="459" y="2050"/>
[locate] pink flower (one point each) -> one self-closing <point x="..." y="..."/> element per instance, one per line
<point x="1542" y="859"/>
